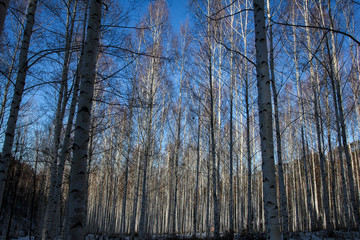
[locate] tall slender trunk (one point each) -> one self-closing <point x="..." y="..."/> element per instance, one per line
<point x="312" y="75"/>
<point x="146" y="160"/>
<point x="212" y="132"/>
<point x="283" y="202"/>
<point x="14" y="189"/>
<point x="127" y="160"/>
<point x="9" y="76"/>
<point x="66" y="143"/>
<point x="207" y="213"/>
<point x="310" y="217"/>
<point x="177" y="153"/>
<point x="332" y="163"/>
<point x="16" y="100"/>
<point x="158" y="180"/>
<point x="231" y="143"/>
<point x="213" y="157"/>
<point x="323" y="172"/>
<point x="136" y="197"/>
<point x="67" y="136"/>
<point x="249" y="160"/>
<point x="170" y="192"/>
<point x="78" y="174"/>
<point x="265" y="124"/>
<point x="198" y="157"/>
<point x="129" y="150"/>
<point x="34" y="183"/>
<point x="335" y="66"/>
<point x="49" y="228"/>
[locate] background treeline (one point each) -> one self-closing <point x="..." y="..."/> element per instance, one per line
<point x="174" y="139"/>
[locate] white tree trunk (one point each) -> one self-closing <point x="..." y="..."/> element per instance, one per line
<point x="282" y="192"/>
<point x="265" y="121"/>
<point x="78" y="178"/>
<point x="310" y="217"/>
<point x="198" y="156"/>
<point x="216" y="213"/>
<point x="127" y="160"/>
<point x="341" y="119"/>
<point x="49" y="228"/>
<point x="231" y="143"/>
<point x="136" y="197"/>
<point x="18" y="92"/>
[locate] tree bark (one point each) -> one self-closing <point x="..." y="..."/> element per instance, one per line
<point x="78" y="174"/>
<point x="283" y="202"/>
<point x="212" y="134"/>
<point x="49" y="228"/>
<point x="249" y="161"/>
<point x="231" y="143"/>
<point x="341" y="118"/>
<point x="265" y="122"/>
<point x="136" y="197"/>
<point x="198" y="157"/>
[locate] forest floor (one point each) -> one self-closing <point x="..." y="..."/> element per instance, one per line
<point x="319" y="235"/>
<point x="324" y="235"/>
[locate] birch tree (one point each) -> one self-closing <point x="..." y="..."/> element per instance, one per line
<point x="231" y="142"/>
<point x="153" y="76"/>
<point x="211" y="111"/>
<point x="265" y="121"/>
<point x="18" y="93"/>
<point x="49" y="229"/>
<point x="77" y="188"/>
<point x="282" y="193"/>
<point x="336" y="81"/>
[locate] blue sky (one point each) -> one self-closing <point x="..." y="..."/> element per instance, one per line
<point x="178" y="13"/>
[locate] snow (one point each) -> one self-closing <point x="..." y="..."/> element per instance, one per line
<point x="323" y="235"/>
<point x="320" y="235"/>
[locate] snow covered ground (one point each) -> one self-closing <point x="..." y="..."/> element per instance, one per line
<point x="320" y="235"/>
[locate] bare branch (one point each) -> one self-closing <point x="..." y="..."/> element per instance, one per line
<point x="319" y="27"/>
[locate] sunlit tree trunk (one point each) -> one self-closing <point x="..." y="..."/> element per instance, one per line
<point x="78" y="174"/>
<point x="147" y="152"/>
<point x="265" y="124"/>
<point x="216" y="214"/>
<point x="341" y="118"/>
<point x="231" y="142"/>
<point x="323" y="172"/>
<point x="130" y="139"/>
<point x="136" y="197"/>
<point x="179" y="129"/>
<point x="332" y="180"/>
<point x="282" y="193"/>
<point x="198" y="157"/>
<point x="312" y="75"/>
<point x="65" y="150"/>
<point x="207" y="213"/>
<point x="250" y="215"/>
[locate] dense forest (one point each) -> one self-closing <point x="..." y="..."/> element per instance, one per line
<point x="242" y="119"/>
